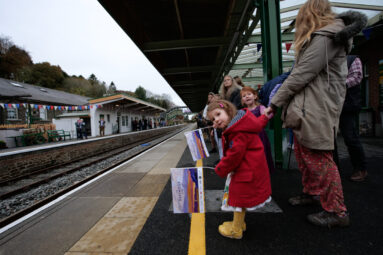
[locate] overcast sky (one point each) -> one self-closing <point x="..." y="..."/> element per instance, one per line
<point x="82" y="38"/>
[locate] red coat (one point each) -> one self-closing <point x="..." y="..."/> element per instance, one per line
<point x="244" y="156"/>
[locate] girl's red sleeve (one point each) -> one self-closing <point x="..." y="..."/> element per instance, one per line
<point x="234" y="155"/>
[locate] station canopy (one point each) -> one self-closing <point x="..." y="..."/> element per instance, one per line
<point x="194" y="43"/>
<point x="125" y="102"/>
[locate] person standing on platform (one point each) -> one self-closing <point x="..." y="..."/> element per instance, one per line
<point x="250" y="100"/>
<point x="312" y="98"/>
<point x="230" y="91"/>
<point x="83" y="129"/>
<point x="101" y="125"/>
<point x="78" y="129"/>
<point x="244" y="159"/>
<point x="350" y="112"/>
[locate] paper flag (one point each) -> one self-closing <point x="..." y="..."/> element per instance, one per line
<point x="196" y="144"/>
<point x="187" y="190"/>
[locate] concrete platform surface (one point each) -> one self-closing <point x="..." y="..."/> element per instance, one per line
<point x="106" y="216"/>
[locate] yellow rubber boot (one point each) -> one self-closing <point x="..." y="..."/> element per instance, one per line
<point x="233" y="230"/>
<point x="231" y="223"/>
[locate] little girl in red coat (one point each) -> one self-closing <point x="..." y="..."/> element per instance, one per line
<point x="250" y="186"/>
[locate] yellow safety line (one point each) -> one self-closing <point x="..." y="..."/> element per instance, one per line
<point x="197" y="243"/>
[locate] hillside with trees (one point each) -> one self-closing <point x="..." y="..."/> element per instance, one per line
<point x="16" y="64"/>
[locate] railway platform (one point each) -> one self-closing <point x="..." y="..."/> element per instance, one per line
<point x="128" y="211"/>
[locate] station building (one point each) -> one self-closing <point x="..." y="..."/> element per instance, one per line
<point x="24" y="107"/>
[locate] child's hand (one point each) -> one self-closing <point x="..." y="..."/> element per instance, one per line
<point x="269" y="112"/>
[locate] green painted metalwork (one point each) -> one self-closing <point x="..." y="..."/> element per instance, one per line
<point x="272" y="61"/>
<point x="286" y="37"/>
<point x="258" y="65"/>
<point x="253" y="79"/>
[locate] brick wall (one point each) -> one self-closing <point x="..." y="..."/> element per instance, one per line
<point x="27" y="162"/>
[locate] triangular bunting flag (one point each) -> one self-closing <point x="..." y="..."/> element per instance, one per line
<point x="2" y="105"/>
<point x="18" y="106"/>
<point x="259" y="46"/>
<point x="14" y="105"/>
<point x="288" y="46"/>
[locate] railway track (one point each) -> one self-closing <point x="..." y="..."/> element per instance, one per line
<point x="24" y="194"/>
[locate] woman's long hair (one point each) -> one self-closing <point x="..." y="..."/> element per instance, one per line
<point x="224" y="92"/>
<point x="314" y="14"/>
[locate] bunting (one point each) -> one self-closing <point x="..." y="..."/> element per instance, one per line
<point x="48" y="107"/>
<point x="288" y="46"/>
<point x="187" y="190"/>
<point x="259" y="46"/>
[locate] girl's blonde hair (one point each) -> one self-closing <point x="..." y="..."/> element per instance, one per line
<point x="251" y="90"/>
<point x="314" y="14"/>
<point x="225" y="105"/>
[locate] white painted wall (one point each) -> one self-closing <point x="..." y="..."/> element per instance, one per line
<point x="10" y="132"/>
<point x="66" y="124"/>
<point x="112" y="123"/>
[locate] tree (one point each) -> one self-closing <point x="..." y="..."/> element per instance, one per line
<point x="5" y="44"/>
<point x="77" y="85"/>
<point x="92" y="79"/>
<point x="43" y="74"/>
<point x="12" y="60"/>
<point x="140" y="93"/>
<point x="112" y="88"/>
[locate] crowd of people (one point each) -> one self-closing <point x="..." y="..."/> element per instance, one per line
<point x="315" y="96"/>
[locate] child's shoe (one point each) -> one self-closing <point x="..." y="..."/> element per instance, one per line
<point x="231" y="223"/>
<point x="234" y="230"/>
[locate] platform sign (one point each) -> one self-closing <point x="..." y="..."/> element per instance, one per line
<point x="187" y="190"/>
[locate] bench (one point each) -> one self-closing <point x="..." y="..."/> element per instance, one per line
<point x="57" y="135"/>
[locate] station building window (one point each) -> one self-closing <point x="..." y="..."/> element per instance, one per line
<point x="108" y="117"/>
<point x="12" y="114"/>
<point x="43" y="113"/>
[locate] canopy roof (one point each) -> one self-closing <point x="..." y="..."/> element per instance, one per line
<point x="193" y="43"/>
<point x="14" y="91"/>
<point x="248" y="64"/>
<point x="121" y="101"/>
